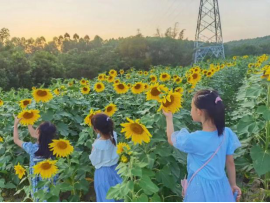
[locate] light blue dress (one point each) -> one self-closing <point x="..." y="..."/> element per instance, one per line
<point x="211" y="183"/>
<point x="31" y="149"/>
<point x="105" y="159"/>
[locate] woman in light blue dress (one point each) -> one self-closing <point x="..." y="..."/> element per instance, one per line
<point x="211" y="183"/>
<point x="104" y="157"/>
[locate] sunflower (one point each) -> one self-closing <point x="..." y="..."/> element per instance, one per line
<point x="140" y="72"/>
<point x="121" y="71"/>
<point x="155" y="91"/>
<point x="29" y="117"/>
<point x="110" y="109"/>
<point x="1" y="139"/>
<point x="235" y="57"/>
<point x="85" y="90"/>
<point x="101" y="77"/>
<point x="116" y="81"/>
<point x="153" y="78"/>
<point x="164" y="77"/>
<point x="99" y="87"/>
<point x="146" y="86"/>
<point x="24" y="103"/>
<point x="129" y="85"/>
<point x="113" y="72"/>
<point x="61" y="148"/>
<point x="195" y="77"/>
<point x="204" y="72"/>
<point x="120" y="88"/>
<point x="197" y="69"/>
<point x="128" y="76"/>
<point x="70" y="84"/>
<point x="19" y="170"/>
<point x="56" y="91"/>
<point x="171" y="102"/>
<point x="88" y="118"/>
<point x="124" y="158"/>
<point x="179" y="89"/>
<point x="122" y="147"/>
<point x="137" y="88"/>
<point x="1" y="102"/>
<point x="84" y="82"/>
<point x="136" y="131"/>
<point x="43" y="95"/>
<point x="110" y="78"/>
<point x="177" y="80"/>
<point x="145" y="73"/>
<point x="209" y="74"/>
<point x="34" y="88"/>
<point x="46" y="169"/>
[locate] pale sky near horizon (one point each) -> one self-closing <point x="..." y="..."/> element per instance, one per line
<point x="241" y="19"/>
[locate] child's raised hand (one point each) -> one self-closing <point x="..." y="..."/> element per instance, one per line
<point x="16" y="120"/>
<point x="167" y="114"/>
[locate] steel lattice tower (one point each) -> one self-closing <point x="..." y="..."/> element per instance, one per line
<point x="208" y="39"/>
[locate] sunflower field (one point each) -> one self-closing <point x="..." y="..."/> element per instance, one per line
<point x="151" y="169"/>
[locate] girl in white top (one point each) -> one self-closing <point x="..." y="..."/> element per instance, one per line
<point x="104" y="157"/>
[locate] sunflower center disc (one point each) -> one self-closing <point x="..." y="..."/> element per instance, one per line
<point x="168" y="103"/>
<point x="27" y="115"/>
<point x="109" y="109"/>
<point x="62" y="145"/>
<point x="155" y="91"/>
<point x="121" y="86"/>
<point x="136" y="128"/>
<point x="42" y="93"/>
<point x="25" y="102"/>
<point x="46" y="166"/>
<point x="138" y="86"/>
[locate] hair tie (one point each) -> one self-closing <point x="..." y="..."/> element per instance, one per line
<point x="218" y="99"/>
<point x="108" y="118"/>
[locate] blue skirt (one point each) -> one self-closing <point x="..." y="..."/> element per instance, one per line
<point x="207" y="190"/>
<point x="104" y="179"/>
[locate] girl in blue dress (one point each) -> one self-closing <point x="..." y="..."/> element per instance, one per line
<point x="104" y="157"/>
<point x="38" y="151"/>
<point x="210" y="184"/>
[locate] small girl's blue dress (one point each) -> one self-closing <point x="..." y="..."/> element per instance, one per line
<point x="105" y="159"/>
<point x="31" y="149"/>
<point x="211" y="183"/>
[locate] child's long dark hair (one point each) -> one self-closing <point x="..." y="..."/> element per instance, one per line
<point x="206" y="100"/>
<point x="104" y="124"/>
<point x="47" y="133"/>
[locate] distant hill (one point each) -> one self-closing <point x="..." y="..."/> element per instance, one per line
<point x="256" y="46"/>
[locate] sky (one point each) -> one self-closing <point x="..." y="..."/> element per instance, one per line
<point x="241" y="19"/>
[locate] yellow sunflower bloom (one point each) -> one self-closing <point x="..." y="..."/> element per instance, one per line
<point x="85" y="90"/>
<point x="61" y="148"/>
<point x="153" y="78"/>
<point x="171" y="102"/>
<point x="88" y="118"/>
<point x="113" y="73"/>
<point x="137" y="88"/>
<point x="56" y="91"/>
<point x="209" y="74"/>
<point x="101" y="77"/>
<point x="177" y="80"/>
<point x="110" y="78"/>
<point x="155" y="91"/>
<point x="164" y="77"/>
<point x="46" y="169"/>
<point x="110" y="109"/>
<point x="179" y="89"/>
<point x="116" y="81"/>
<point x="140" y="72"/>
<point x="121" y="147"/>
<point x="19" y="170"/>
<point x="34" y="88"/>
<point x="28" y="117"/>
<point x="1" y="102"/>
<point x="145" y="73"/>
<point x="99" y="87"/>
<point x="136" y="131"/>
<point x="43" y="95"/>
<point x="128" y="76"/>
<point x="121" y="71"/>
<point x="120" y="88"/>
<point x="24" y="103"/>
<point x="1" y="139"/>
<point x="195" y="77"/>
<point x="124" y="158"/>
<point x="84" y="82"/>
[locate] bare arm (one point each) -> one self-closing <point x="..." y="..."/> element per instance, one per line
<point x="232" y="175"/>
<point x="16" y="138"/>
<point x="170" y="127"/>
<point x="32" y="131"/>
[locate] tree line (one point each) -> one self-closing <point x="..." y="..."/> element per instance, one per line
<point x="30" y="62"/>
